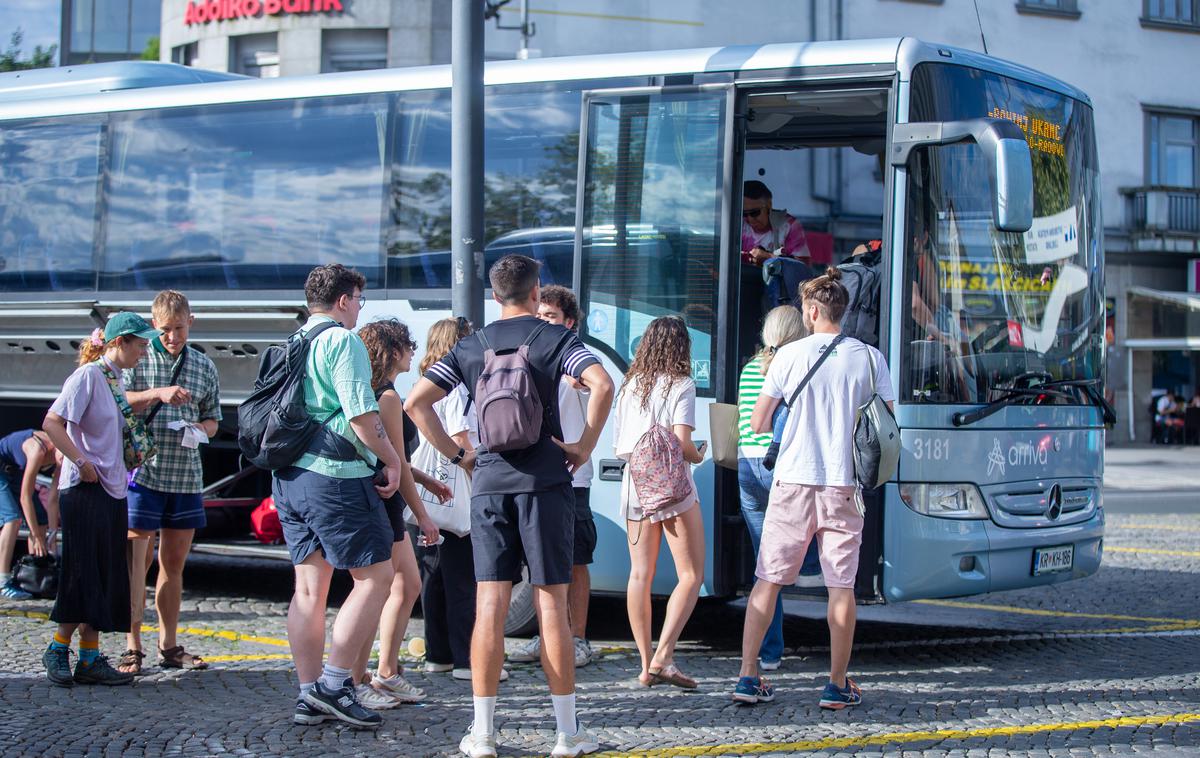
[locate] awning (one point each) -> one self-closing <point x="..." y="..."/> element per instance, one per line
<point x="1189" y="300"/>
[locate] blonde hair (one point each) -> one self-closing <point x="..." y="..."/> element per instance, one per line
<point x="782" y="325"/>
<point x="443" y="336"/>
<point x="93" y="346"/>
<point x="170" y="303"/>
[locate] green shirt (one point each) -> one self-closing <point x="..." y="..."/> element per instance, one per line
<point x="750" y="384"/>
<point x="339" y="377"/>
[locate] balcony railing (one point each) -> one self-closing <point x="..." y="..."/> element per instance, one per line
<point x="1163" y="209"/>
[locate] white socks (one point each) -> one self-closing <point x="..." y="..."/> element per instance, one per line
<point x="334" y="678"/>
<point x="306" y="687"/>
<point x="485" y="710"/>
<point x="564" y="713"/>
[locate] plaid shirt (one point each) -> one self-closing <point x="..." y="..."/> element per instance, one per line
<point x="175" y="468"/>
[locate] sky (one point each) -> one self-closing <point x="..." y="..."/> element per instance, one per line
<point x="39" y="19"/>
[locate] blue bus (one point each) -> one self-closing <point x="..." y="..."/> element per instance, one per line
<point x="622" y="174"/>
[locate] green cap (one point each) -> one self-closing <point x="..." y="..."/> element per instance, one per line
<point x="124" y="323"/>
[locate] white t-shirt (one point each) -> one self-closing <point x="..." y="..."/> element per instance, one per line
<point x="631" y="421"/>
<point x="572" y="415"/>
<point x="818" y="440"/>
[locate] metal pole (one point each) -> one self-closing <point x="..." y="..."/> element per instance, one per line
<point x="466" y="160"/>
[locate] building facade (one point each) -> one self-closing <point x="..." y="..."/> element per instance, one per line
<point x="98" y="31"/>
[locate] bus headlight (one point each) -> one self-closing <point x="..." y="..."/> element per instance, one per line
<point x="945" y="500"/>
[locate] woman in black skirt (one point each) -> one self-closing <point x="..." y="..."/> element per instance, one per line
<point x="100" y="438"/>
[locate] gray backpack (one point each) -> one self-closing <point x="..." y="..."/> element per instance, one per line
<point x="507" y="405"/>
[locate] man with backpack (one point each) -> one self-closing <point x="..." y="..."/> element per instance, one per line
<point x="862" y="277"/>
<point x="825" y="379"/>
<point x="522" y="503"/>
<point x="329" y="506"/>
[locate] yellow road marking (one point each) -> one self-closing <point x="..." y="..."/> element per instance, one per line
<point x="1171" y="622"/>
<point x="900" y="738"/>
<point x="1150" y="551"/>
<point x="609" y="17"/>
<point x="235" y="658"/>
<point x="223" y="634"/>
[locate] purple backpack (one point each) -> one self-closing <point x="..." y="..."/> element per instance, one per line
<point x="659" y="474"/>
<point x="507" y="405"/>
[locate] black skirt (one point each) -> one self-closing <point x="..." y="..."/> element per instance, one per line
<point x="93" y="575"/>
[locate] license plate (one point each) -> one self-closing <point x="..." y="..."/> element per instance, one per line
<point x="1051" y="560"/>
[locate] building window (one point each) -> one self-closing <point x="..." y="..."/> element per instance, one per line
<point x="1174" y="14"/>
<point x="185" y="55"/>
<point x="1174" y="150"/>
<point x="255" y="55"/>
<point x="353" y="49"/>
<point x="1061" y="8"/>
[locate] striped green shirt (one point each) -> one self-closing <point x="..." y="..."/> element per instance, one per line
<point x="750" y="384"/>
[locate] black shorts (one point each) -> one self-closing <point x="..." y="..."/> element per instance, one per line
<point x="585" y="527"/>
<point x="537" y="527"/>
<point x="395" y="506"/>
<point x="343" y="518"/>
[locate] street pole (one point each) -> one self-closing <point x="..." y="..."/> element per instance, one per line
<point x="466" y="160"/>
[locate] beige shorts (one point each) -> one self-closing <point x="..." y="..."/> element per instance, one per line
<point x="795" y="512"/>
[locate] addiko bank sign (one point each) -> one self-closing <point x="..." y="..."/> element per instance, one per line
<point x="227" y="10"/>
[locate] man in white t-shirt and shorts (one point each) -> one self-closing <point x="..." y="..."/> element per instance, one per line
<point x="560" y="306"/>
<point x="814" y="490"/>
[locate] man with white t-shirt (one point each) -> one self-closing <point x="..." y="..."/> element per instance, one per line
<point x="560" y="306"/>
<point x="814" y="490"/>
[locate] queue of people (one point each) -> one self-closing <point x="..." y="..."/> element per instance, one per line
<point x="497" y="481"/>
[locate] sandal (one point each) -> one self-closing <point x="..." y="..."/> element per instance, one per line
<point x="671" y="674"/>
<point x="178" y="658"/>
<point x="130" y="662"/>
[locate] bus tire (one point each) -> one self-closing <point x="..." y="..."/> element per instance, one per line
<point x="522" y="618"/>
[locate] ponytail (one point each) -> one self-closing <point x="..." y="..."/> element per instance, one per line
<point x="92" y="347"/>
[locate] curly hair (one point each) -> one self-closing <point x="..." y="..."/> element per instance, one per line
<point x="665" y="350"/>
<point x="443" y="336"/>
<point x="385" y="341"/>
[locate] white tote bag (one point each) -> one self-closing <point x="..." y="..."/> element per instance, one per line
<point x="454" y="515"/>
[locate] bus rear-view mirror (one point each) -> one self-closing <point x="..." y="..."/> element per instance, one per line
<point x="1010" y="167"/>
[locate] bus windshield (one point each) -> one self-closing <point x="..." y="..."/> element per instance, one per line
<point x="986" y="308"/>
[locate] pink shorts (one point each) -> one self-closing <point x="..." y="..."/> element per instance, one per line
<point x="795" y="512"/>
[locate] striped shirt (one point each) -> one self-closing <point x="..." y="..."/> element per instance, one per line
<point x="750" y="385"/>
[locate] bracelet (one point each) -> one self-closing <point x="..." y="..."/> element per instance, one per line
<point x="458" y="458"/>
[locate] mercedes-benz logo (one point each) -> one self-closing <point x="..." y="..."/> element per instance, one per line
<point x="1054" y="500"/>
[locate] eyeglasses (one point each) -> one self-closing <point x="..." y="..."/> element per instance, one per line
<point x="362" y="300"/>
<point x="751" y="212"/>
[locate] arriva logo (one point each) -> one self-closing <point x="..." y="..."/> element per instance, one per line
<point x="1028" y="454"/>
<point x="995" y="459"/>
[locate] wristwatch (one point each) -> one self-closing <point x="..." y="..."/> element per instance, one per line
<point x="80" y="462"/>
<point x="458" y="458"/>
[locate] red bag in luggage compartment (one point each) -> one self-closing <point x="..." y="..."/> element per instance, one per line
<point x="264" y="522"/>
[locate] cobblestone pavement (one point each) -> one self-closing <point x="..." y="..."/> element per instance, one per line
<point x="1107" y="665"/>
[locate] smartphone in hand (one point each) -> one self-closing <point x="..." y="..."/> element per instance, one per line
<point x="702" y="447"/>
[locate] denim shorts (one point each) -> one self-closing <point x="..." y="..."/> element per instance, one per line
<point x="152" y="509"/>
<point x="10" y="505"/>
<point x="343" y="518"/>
<point x="538" y="527"/>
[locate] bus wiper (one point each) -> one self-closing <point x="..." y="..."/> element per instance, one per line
<point x="1010" y="397"/>
<point x="1090" y="388"/>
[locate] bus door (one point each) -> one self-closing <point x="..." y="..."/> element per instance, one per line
<point x="653" y="238"/>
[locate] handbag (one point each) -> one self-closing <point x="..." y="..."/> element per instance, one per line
<point x="723" y="425"/>
<point x="139" y="443"/>
<point x="37" y="575"/>
<point x="454" y="515"/>
<point x="876" y="439"/>
<point x="779" y="422"/>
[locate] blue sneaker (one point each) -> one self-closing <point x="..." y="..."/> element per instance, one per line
<point x="834" y="698"/>
<point x="753" y="690"/>
<point x="11" y="591"/>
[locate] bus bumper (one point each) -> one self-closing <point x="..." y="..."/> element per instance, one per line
<point x="926" y="557"/>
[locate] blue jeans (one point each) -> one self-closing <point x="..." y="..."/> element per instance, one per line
<point x="754" y="483"/>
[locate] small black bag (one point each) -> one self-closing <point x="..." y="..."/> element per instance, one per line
<point x="37" y="575"/>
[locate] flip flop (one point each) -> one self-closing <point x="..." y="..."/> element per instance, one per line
<point x="672" y="675"/>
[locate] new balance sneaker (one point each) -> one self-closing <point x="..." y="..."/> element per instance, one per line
<point x="583" y="652"/>
<point x="834" y="698"/>
<point x="306" y="715"/>
<point x="376" y="700"/>
<point x="753" y="690"/>
<point x="579" y="743"/>
<point x="766" y="665"/>
<point x="57" y="661"/>
<point x="11" y="591"/>
<point x="342" y="704"/>
<point x="478" y="746"/>
<point x="464" y="674"/>
<point x="100" y="671"/>
<point x="399" y="688"/>
<point x="438" y="668"/>
<point x="527" y="652"/>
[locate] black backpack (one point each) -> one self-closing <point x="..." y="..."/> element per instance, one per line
<point x="274" y="426"/>
<point x="863" y="282"/>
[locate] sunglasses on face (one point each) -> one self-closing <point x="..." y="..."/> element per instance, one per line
<point x="751" y="212"/>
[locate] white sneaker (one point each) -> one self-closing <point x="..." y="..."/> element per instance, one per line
<point x="464" y="674"/>
<point x="770" y="665"/>
<point x="816" y="580"/>
<point x="583" y="652"/>
<point x="369" y="697"/>
<point x="437" y="668"/>
<point x="399" y="688"/>
<point x="580" y="743"/>
<point x="475" y="746"/>
<point x="527" y="652"/>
